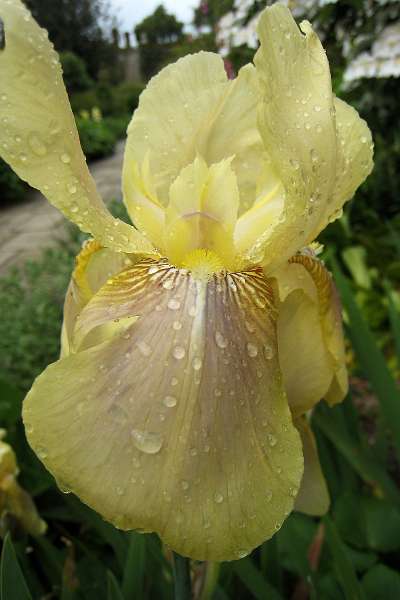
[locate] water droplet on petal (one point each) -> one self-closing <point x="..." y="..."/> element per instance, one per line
<point x="197" y="364"/>
<point x="174" y="304"/>
<point x="36" y="145"/>
<point x="178" y="352"/>
<point x="252" y="350"/>
<point x="170" y="401"/>
<point x="144" y="348"/>
<point x="147" y="441"/>
<point x="220" y="340"/>
<point x="268" y="352"/>
<point x="65" y="158"/>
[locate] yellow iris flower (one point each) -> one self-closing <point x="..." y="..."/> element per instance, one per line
<point x="193" y="343"/>
<point x="15" y="502"/>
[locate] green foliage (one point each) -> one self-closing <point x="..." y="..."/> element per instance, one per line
<point x="78" y="26"/>
<point x="12" y="188"/>
<point x="208" y="12"/>
<point x="97" y="139"/>
<point x="32" y="298"/>
<point x="75" y="73"/>
<point x="127" y="97"/>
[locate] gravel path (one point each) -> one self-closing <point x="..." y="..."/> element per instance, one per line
<point x="28" y="227"/>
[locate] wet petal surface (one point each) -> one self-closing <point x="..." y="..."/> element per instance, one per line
<point x="38" y="135"/>
<point x="179" y="424"/>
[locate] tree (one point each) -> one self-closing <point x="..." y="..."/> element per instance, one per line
<point x="77" y="26"/>
<point x="156" y="35"/>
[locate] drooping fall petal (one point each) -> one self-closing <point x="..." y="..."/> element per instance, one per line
<point x="178" y="424"/>
<point x="310" y="336"/>
<point x="313" y="496"/>
<point x="93" y="266"/>
<point x="38" y="136"/>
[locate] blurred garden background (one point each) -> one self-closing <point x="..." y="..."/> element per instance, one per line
<point x="352" y="553"/>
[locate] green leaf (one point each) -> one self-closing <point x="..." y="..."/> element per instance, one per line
<point x="12" y="581"/>
<point x="113" y="589"/>
<point x="371" y="358"/>
<point x="10" y="404"/>
<point x="134" y="570"/>
<point x="394" y="316"/>
<point x="381" y="583"/>
<point x="360" y="457"/>
<point x="254" y="580"/>
<point x="343" y="567"/>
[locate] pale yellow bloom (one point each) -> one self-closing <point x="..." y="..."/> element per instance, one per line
<point x="15" y="502"/>
<point x="194" y="343"/>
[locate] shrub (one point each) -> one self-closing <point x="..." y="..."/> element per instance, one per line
<point x="12" y="188"/>
<point x="97" y="139"/>
<point x="118" y="124"/>
<point x="84" y="101"/>
<point x="75" y="74"/>
<point x="127" y="96"/>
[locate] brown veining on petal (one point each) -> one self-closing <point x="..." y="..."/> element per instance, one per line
<point x="183" y="411"/>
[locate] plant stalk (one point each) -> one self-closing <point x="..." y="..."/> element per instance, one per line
<point x="183" y="585"/>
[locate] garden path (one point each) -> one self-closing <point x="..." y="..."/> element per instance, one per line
<point x="28" y="227"/>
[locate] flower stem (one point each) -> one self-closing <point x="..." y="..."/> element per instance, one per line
<point x="183" y="586"/>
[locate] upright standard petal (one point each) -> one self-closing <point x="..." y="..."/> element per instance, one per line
<point x="38" y="136"/>
<point x="180" y="424"/>
<point x="189" y="109"/>
<point x="297" y="125"/>
<point x="354" y="161"/>
<point x="310" y="336"/>
<point x="202" y="212"/>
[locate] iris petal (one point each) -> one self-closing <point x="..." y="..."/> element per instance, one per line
<point x="313" y="496"/>
<point x="180" y="424"/>
<point x="38" y="136"/>
<point x="94" y="265"/>
<point x="310" y="336"/>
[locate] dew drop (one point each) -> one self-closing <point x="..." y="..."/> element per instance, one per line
<point x="170" y="401"/>
<point x="168" y="284"/>
<point x="218" y="498"/>
<point x="174" y="304"/>
<point x="241" y="553"/>
<point x="65" y="158"/>
<point x="144" y="348"/>
<point x="174" y="381"/>
<point x="272" y="440"/>
<point x="71" y="187"/>
<point x="269" y="496"/>
<point x="252" y="350"/>
<point x="147" y="441"/>
<point x="184" y="484"/>
<point x="36" y="145"/>
<point x="177" y="325"/>
<point x="197" y="364"/>
<point x="41" y="452"/>
<point x="178" y="352"/>
<point x="220" y="340"/>
<point x="268" y="352"/>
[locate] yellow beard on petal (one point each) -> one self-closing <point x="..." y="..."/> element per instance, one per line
<point x="203" y="263"/>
